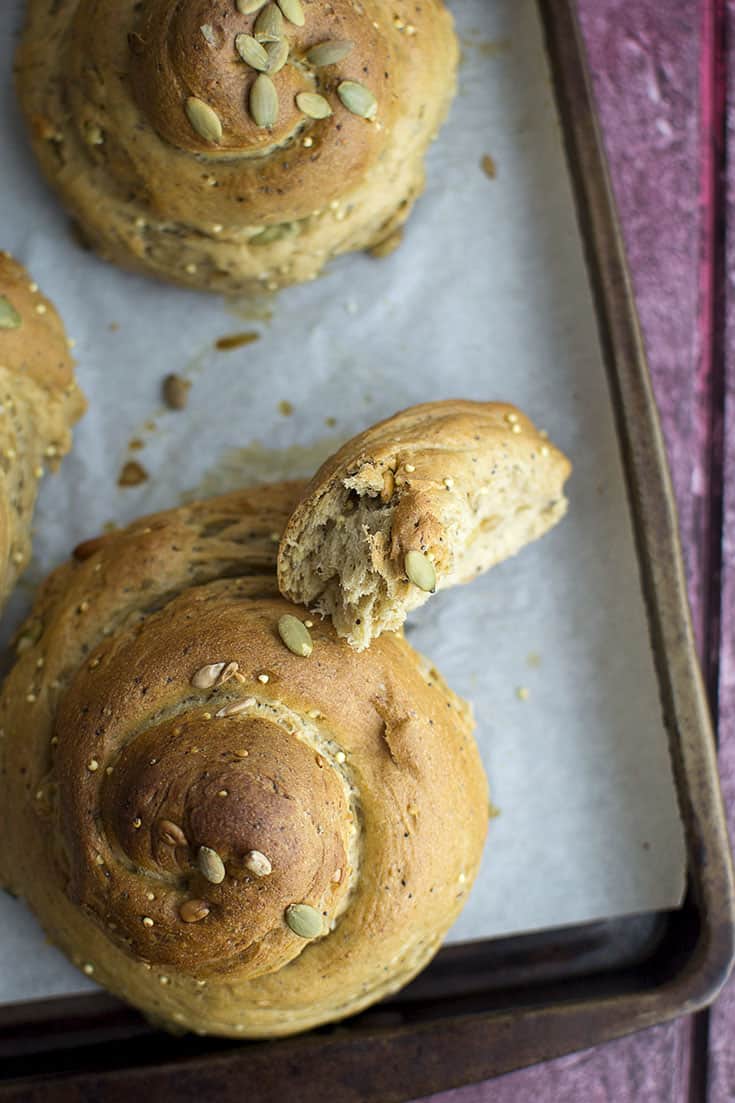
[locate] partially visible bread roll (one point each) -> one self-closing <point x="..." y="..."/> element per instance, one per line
<point x="39" y="402"/>
<point x="425" y="500"/>
<point x="239" y="832"/>
<point x="179" y="157"/>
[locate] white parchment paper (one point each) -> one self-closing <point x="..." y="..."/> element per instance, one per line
<point x="487" y="299"/>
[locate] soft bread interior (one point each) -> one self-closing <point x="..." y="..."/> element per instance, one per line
<point x="340" y="567"/>
<point x="348" y="560"/>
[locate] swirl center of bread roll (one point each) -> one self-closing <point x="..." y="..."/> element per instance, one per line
<point x="192" y="83"/>
<point x="199" y="820"/>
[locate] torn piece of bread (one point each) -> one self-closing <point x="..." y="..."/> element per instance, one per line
<point x="422" y="501"/>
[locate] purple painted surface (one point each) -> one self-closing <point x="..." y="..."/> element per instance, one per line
<point x="653" y="65"/>
<point x="722" y="1019"/>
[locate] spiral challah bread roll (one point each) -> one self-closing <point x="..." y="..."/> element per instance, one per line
<point x="39" y="403"/>
<point x="233" y="145"/>
<point x="426" y="499"/>
<point x="225" y="816"/>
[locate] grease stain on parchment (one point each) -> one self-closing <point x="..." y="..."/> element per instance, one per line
<point x="237" y="468"/>
<point x="254" y="308"/>
<point x="486" y="47"/>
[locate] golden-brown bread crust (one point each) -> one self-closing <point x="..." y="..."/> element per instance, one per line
<point x="361" y="785"/>
<point x="465" y="484"/>
<point x="39" y="402"/>
<point x="105" y="95"/>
